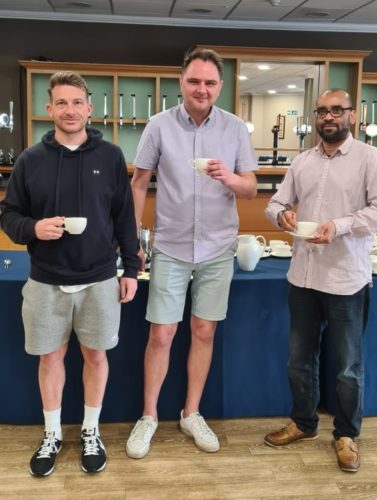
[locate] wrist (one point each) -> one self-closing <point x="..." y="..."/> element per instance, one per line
<point x="279" y="216"/>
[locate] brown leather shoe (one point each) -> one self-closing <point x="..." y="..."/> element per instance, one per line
<point x="347" y="454"/>
<point x="288" y="435"/>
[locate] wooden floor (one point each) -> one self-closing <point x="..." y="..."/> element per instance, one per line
<point x="175" y="469"/>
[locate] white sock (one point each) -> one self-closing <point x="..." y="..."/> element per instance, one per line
<point x="52" y="422"/>
<point x="91" y="418"/>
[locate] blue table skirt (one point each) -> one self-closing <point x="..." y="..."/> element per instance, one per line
<point x="247" y="377"/>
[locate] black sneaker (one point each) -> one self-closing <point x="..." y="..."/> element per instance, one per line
<point x="43" y="461"/>
<point x="93" y="457"/>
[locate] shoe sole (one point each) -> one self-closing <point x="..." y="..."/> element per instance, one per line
<point x="348" y="470"/>
<point x="94" y="470"/>
<point x="188" y="433"/>
<point x="41" y="475"/>
<point x="136" y="455"/>
<point x="311" y="438"/>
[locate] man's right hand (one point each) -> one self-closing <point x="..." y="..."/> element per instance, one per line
<point x="288" y="220"/>
<point x="49" y="229"/>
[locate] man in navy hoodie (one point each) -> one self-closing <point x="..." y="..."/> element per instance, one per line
<point x="73" y="172"/>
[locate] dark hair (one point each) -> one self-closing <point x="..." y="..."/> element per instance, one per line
<point x="204" y="55"/>
<point x="68" y="78"/>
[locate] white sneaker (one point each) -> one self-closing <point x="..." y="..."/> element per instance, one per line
<point x="195" y="426"/>
<point x="139" y="442"/>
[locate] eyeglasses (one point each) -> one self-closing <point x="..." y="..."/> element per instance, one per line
<point x="335" y="111"/>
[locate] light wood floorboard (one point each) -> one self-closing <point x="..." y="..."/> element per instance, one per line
<point x="175" y="469"/>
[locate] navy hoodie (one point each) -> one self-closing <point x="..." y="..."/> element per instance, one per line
<point x="48" y="180"/>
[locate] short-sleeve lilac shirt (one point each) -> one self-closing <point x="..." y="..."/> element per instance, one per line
<point x="196" y="216"/>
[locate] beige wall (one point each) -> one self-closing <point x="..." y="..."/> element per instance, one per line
<point x="263" y="112"/>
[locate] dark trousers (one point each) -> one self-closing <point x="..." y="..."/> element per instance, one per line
<point x="344" y="317"/>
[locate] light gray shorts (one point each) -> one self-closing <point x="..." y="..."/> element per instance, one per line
<point x="209" y="289"/>
<point x="50" y="315"/>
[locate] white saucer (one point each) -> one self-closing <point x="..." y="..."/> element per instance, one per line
<point x="280" y="256"/>
<point x="301" y="236"/>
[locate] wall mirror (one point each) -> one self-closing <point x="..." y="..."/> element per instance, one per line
<point x="276" y="100"/>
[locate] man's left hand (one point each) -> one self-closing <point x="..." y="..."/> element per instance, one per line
<point x="128" y="287"/>
<point x="325" y="233"/>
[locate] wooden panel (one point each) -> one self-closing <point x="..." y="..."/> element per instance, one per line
<point x="251" y="213"/>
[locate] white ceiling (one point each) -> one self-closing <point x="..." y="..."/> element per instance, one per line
<point x="277" y="78"/>
<point x="309" y="15"/>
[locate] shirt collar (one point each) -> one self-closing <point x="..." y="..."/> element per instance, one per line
<point x="190" y="120"/>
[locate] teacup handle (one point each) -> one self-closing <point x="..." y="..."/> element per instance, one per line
<point x="191" y="163"/>
<point x="262" y="238"/>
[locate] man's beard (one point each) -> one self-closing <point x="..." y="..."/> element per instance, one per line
<point x="334" y="135"/>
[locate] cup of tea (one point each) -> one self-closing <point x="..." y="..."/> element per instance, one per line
<point x="75" y="225"/>
<point x="283" y="250"/>
<point x="306" y="228"/>
<point x="273" y="243"/>
<point x="199" y="164"/>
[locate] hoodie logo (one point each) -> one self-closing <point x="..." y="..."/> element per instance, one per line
<point x="96" y="172"/>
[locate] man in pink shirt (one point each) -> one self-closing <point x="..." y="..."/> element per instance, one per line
<point x="335" y="185"/>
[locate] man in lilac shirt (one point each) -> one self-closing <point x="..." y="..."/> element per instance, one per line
<point x="195" y="234"/>
<point x="334" y="184"/>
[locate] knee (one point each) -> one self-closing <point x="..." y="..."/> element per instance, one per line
<point x="52" y="359"/>
<point x="161" y="336"/>
<point x="93" y="357"/>
<point x="203" y="330"/>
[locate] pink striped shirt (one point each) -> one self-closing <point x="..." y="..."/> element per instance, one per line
<point x="341" y="188"/>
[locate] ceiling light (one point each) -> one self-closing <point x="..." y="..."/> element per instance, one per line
<point x="316" y="14"/>
<point x="79" y="4"/>
<point x="200" y="11"/>
<point x="274" y="3"/>
<point x="242" y="77"/>
<point x="291" y="86"/>
<point x="272" y="91"/>
<point x="264" y="67"/>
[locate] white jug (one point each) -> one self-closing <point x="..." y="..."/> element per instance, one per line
<point x="250" y="249"/>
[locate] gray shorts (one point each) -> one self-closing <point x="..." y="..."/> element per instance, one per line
<point x="50" y="315"/>
<point x="209" y="290"/>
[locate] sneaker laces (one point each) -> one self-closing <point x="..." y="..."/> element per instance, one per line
<point x="143" y="430"/>
<point x="200" y="425"/>
<point x="48" y="446"/>
<point x="90" y="443"/>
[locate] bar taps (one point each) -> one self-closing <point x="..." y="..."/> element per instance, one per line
<point x="120" y="110"/>
<point x="90" y="102"/>
<point x="149" y="105"/>
<point x="105" y="115"/>
<point x="133" y="110"/>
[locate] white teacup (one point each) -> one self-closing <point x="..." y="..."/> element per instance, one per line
<point x="305" y="228"/>
<point x="283" y="250"/>
<point x="274" y="243"/>
<point x="199" y="164"/>
<point x="375" y="240"/>
<point x="75" y="225"/>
